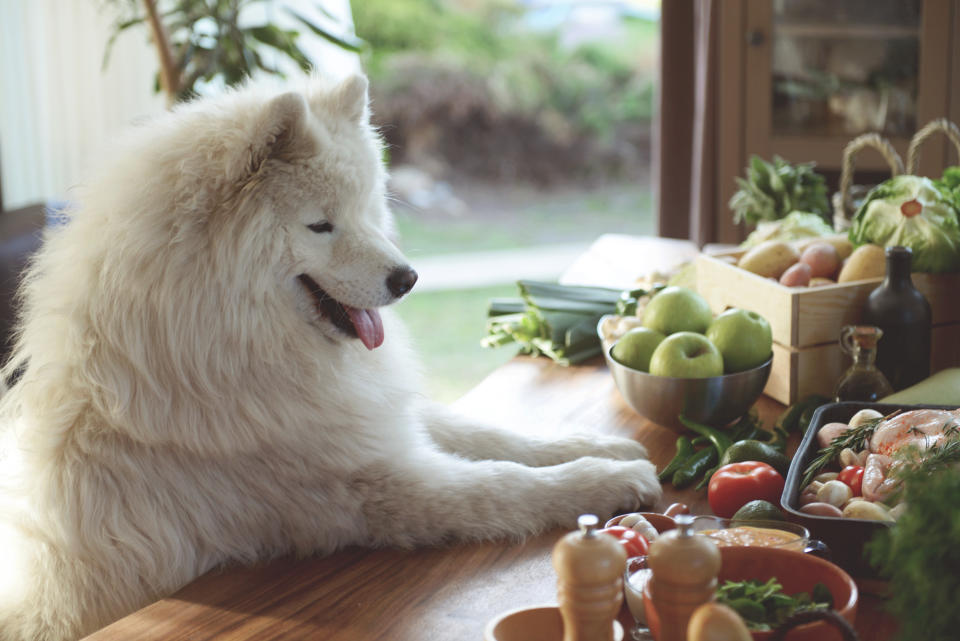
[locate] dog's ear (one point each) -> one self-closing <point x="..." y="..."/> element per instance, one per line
<point x="282" y="131"/>
<point x="350" y="98"/>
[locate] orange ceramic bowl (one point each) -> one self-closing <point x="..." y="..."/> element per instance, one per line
<point x="796" y="572"/>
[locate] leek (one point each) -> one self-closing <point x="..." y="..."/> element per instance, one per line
<point x="553" y="320"/>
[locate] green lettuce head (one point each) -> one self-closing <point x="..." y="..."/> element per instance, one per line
<point x="911" y="211"/>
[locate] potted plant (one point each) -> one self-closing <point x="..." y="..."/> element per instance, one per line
<point x="201" y="40"/>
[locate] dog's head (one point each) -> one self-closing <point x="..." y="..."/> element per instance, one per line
<point x="313" y="171"/>
<point x="221" y="252"/>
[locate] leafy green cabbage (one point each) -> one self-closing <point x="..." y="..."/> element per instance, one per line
<point x="796" y="225"/>
<point x="911" y="211"/>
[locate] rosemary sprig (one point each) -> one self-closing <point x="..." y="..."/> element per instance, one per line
<point x="855" y="438"/>
<point x="933" y="459"/>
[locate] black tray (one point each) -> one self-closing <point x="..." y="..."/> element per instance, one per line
<point x="846" y="538"/>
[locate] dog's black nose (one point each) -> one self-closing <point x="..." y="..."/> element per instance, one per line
<point x="401" y="280"/>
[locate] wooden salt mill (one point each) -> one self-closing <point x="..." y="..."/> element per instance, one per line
<point x="685" y="567"/>
<point x="589" y="569"/>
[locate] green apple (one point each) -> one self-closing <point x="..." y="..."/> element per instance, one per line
<point x="677" y="309"/>
<point x="743" y="338"/>
<point x="686" y="355"/>
<point x="635" y="348"/>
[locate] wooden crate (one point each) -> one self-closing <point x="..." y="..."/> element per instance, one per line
<point x="806" y="321"/>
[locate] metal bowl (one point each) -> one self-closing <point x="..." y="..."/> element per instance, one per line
<point x="716" y="400"/>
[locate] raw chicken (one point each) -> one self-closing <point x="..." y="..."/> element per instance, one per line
<point x="922" y="428"/>
<point x="876" y="486"/>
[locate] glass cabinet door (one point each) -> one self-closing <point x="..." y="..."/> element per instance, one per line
<point x="844" y="68"/>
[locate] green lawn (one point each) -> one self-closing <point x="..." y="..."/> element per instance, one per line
<point x="446" y="327"/>
<point x="529" y="219"/>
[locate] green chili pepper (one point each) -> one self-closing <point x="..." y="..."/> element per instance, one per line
<point x="721" y="441"/>
<point x="778" y="439"/>
<point x="747" y="427"/>
<point x="684" y="451"/>
<point x="790" y="419"/>
<point x="706" y="478"/>
<point x="695" y="466"/>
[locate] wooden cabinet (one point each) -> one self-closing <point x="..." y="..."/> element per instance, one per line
<point x="801" y="78"/>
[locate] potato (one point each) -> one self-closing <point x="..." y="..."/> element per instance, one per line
<point x="823" y="259"/>
<point x="867" y="261"/>
<point x="840" y="242"/>
<point x="797" y="275"/>
<point x="769" y="259"/>
<point x="809" y="494"/>
<point x="819" y="282"/>
<point x="897" y="511"/>
<point x="821" y="509"/>
<point x="866" y="510"/>
<point x="675" y="509"/>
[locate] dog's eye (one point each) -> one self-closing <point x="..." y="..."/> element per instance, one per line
<point x="320" y="228"/>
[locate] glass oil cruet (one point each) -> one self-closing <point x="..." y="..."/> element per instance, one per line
<point x="863" y="381"/>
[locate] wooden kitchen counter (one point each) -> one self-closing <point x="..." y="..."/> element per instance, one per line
<point x="432" y="594"/>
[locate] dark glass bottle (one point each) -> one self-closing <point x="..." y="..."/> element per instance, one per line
<point x="903" y="314"/>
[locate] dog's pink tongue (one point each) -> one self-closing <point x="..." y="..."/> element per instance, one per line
<point x="368" y="324"/>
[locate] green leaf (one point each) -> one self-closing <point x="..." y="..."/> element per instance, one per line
<point x="120" y="28"/>
<point x="348" y="42"/>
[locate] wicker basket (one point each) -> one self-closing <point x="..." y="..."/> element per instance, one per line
<point x="847" y="199"/>
<point x="941" y="125"/>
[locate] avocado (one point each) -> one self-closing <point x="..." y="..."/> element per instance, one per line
<point x="758" y="510"/>
<point x="751" y="450"/>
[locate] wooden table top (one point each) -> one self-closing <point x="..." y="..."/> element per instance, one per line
<point x="435" y="594"/>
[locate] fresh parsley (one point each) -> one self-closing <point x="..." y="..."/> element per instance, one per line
<point x="764" y="606"/>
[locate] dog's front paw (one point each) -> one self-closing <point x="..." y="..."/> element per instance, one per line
<point x="637" y="486"/>
<point x="616" y="448"/>
<point x="571" y="448"/>
<point x="605" y="487"/>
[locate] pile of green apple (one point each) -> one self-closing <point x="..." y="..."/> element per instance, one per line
<point x="680" y="338"/>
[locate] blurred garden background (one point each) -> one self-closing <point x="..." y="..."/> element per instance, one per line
<point x="512" y="126"/>
<point x="517" y="131"/>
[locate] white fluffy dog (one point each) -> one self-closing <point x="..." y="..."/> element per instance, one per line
<point x="200" y="386"/>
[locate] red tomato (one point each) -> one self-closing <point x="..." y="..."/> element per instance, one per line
<point x="735" y="484"/>
<point x="632" y="541"/>
<point x="852" y="475"/>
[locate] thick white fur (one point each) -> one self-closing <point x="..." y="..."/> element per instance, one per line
<point x="182" y="404"/>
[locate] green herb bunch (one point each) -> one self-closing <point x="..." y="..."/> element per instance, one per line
<point x="773" y="190"/>
<point x="920" y="556"/>
<point x="764" y="606"/>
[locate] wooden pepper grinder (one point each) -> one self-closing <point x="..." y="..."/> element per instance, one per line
<point x="685" y="567"/>
<point x="589" y="569"/>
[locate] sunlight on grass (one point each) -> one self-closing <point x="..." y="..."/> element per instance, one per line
<point x="553" y="217"/>
<point x="446" y="327"/>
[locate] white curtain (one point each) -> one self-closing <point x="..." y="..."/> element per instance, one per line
<point x="57" y="105"/>
<point x="55" y="102"/>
